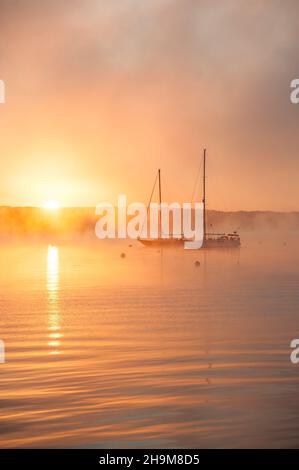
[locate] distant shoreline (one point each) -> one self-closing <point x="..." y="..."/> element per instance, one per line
<point x="80" y="221"/>
<point x="232" y="211"/>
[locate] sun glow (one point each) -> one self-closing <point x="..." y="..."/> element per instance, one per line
<point x="51" y="204"/>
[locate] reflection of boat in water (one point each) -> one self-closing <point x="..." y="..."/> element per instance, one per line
<point x="210" y="240"/>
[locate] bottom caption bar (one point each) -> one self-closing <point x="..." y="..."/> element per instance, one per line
<point x="144" y="458"/>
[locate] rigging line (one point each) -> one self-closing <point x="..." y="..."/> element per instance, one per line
<point x="150" y="200"/>
<point x="196" y="182"/>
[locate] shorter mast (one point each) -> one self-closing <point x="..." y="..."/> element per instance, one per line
<point x="204" y="194"/>
<point x="160" y="202"/>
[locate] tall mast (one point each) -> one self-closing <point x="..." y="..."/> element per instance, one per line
<point x="160" y="201"/>
<point x="204" y="193"/>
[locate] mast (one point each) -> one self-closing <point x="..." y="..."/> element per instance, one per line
<point x="160" y="201"/>
<point x="160" y="193"/>
<point x="204" y="193"/>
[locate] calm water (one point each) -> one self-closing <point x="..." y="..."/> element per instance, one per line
<point x="149" y="350"/>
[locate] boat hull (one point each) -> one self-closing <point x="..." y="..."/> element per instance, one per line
<point x="179" y="242"/>
<point x="219" y="243"/>
<point x="162" y="242"/>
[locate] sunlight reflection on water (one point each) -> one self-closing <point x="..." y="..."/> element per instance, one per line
<point x="53" y="299"/>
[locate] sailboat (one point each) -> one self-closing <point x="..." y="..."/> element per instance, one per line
<point x="210" y="240"/>
<point x="160" y="241"/>
<point x="216" y="240"/>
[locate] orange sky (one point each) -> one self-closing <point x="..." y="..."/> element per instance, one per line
<point x="100" y="94"/>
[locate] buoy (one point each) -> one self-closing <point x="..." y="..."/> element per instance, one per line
<point x="197" y="263"/>
<point x="123" y="255"/>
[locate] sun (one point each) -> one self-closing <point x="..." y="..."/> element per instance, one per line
<point x="51" y="204"/>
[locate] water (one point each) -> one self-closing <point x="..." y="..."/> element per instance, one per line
<point x="149" y="350"/>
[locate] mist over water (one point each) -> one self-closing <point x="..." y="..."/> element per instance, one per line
<point x="149" y="350"/>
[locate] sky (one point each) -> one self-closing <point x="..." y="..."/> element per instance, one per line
<point x="99" y="94"/>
